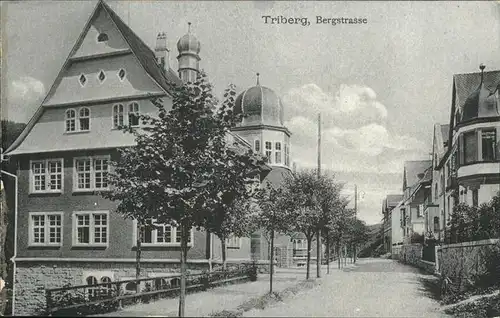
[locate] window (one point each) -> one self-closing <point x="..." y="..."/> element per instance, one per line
<point x="70" y="120"/>
<point x="277" y="152"/>
<point x="101" y="76"/>
<point x="45" y="228"/>
<point x="435" y="192"/>
<point x="287" y="158"/>
<point x="475" y="197"/>
<point x="420" y="210"/>
<point x="470" y="147"/>
<point x="488" y="143"/>
<point x="121" y="74"/>
<point x="90" y="228"/>
<point x="106" y="289"/>
<point x="46" y="175"/>
<point x="233" y="242"/>
<point x="257" y="146"/>
<point x="436" y="224"/>
<point x="299" y="244"/>
<point x="83" y="122"/>
<point x="84" y="119"/>
<point x="269" y="153"/>
<point x="133" y="114"/>
<point x="102" y="37"/>
<point x="92" y="291"/>
<point x="82" y="79"/>
<point x="91" y="173"/>
<point x="161" y="234"/>
<point x="118" y="115"/>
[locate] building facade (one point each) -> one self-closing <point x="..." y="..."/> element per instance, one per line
<point x="389" y="203"/>
<point x="66" y="233"/>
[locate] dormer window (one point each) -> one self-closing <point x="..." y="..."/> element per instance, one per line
<point x="117" y="116"/>
<point x="121" y="74"/>
<point x="82" y="80"/>
<point x="70" y="120"/>
<point x="101" y="76"/>
<point x="102" y="37"/>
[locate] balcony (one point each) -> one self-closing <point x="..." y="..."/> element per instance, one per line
<point x="479" y="168"/>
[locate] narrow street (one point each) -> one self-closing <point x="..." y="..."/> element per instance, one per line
<point x="373" y="288"/>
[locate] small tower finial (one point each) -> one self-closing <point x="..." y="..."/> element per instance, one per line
<point x="482" y="67"/>
<point x="258" y="74"/>
<point x="189" y="27"/>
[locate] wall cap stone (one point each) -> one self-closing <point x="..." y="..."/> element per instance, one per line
<point x="469" y="244"/>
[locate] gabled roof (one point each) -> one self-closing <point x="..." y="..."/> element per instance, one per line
<point x="413" y="169"/>
<point x="393" y="199"/>
<point x="144" y="54"/>
<point x="445" y="129"/>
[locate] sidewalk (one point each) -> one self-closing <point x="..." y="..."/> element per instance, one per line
<point x="228" y="297"/>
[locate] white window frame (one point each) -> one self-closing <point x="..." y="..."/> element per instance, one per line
<point x="31" y="236"/>
<point x="92" y="173"/>
<point x="154" y="238"/>
<point x="99" y="275"/>
<point x="80" y="117"/>
<point x="268" y="151"/>
<point x="257" y="142"/>
<point x="66" y="119"/>
<point x="138" y="112"/>
<point x="99" y="73"/>
<point x="116" y="114"/>
<point x="92" y="242"/>
<point x="233" y="242"/>
<point x="118" y="74"/>
<point x="78" y="128"/>
<point x="276" y="152"/>
<point x="86" y="80"/>
<point x="47" y="176"/>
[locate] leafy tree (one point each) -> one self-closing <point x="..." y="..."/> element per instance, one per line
<point x="10" y="131"/>
<point x="274" y="216"/>
<point x="171" y="174"/>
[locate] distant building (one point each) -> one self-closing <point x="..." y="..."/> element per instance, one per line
<point x="388" y="205"/>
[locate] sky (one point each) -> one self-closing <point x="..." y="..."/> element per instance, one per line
<point x="380" y="86"/>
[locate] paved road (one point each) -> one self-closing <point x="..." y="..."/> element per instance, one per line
<point x="373" y="288"/>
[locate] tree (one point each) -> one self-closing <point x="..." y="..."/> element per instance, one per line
<point x="274" y="216"/>
<point x="171" y="174"/>
<point x="356" y="232"/>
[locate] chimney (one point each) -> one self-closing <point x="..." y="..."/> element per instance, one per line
<point x="162" y="53"/>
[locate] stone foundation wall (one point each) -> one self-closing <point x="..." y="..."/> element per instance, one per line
<point x="33" y="278"/>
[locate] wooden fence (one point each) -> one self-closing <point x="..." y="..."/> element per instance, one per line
<point x="109" y="296"/>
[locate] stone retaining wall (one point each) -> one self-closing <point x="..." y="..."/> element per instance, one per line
<point x="463" y="261"/>
<point x="411" y="254"/>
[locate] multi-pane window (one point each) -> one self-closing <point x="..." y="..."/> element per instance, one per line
<point x="277" y="152"/>
<point x="257" y="146"/>
<point x="91" y="173"/>
<point x="78" y="121"/>
<point x="488" y="143"/>
<point x="70" y="120"/>
<point x="118" y="115"/>
<point x="470" y="147"/>
<point x="154" y="233"/>
<point x="84" y="119"/>
<point x="133" y="114"/>
<point x="269" y="151"/>
<point x="91" y="228"/>
<point x="46" y="175"/>
<point x="233" y="242"/>
<point x="45" y="228"/>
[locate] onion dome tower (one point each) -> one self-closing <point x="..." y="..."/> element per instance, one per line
<point x="263" y="123"/>
<point x="188" y="58"/>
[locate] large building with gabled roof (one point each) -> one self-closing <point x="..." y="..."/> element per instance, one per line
<point x="66" y="233"/>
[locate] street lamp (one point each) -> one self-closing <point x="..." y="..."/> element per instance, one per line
<point x="13" y="259"/>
